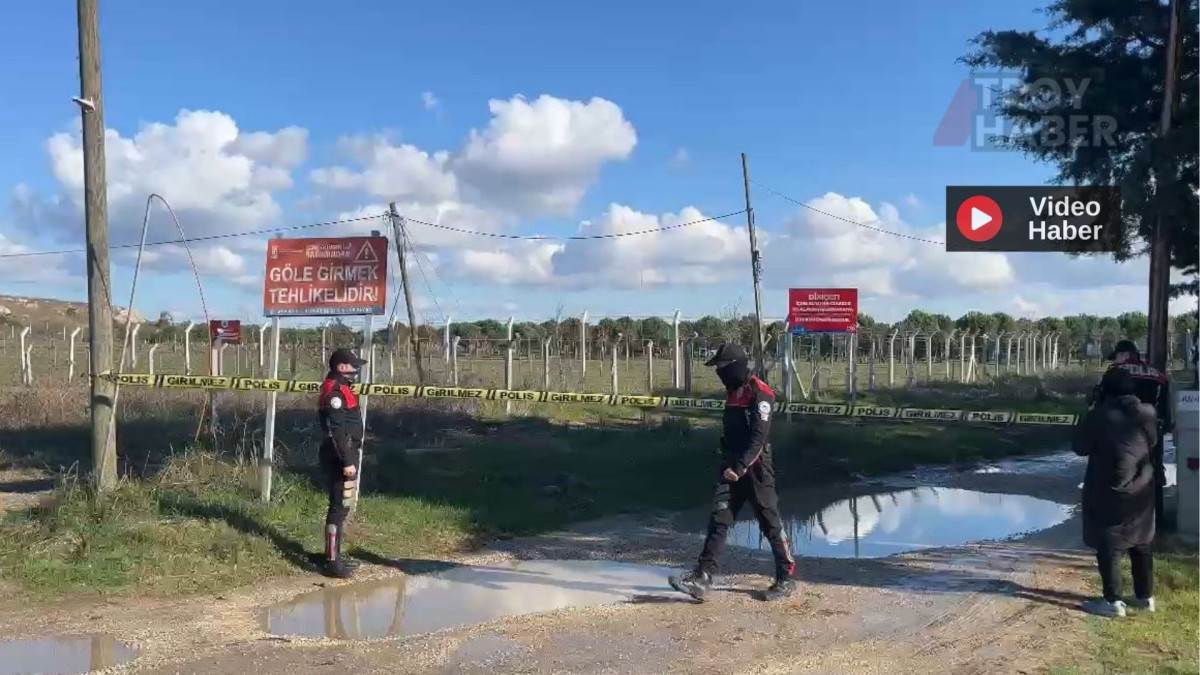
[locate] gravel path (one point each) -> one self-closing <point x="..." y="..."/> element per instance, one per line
<point x="999" y="607"/>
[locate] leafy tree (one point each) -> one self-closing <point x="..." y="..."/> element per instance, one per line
<point x="1121" y="46"/>
<point x="1134" y="325"/>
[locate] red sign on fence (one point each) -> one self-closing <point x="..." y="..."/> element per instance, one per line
<point x="326" y="277"/>
<point x="225" y="332"/>
<point x="823" y="310"/>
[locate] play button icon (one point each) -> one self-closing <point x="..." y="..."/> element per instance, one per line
<point x="979" y="218"/>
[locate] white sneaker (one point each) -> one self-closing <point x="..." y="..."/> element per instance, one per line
<point x="1102" y="607"/>
<point x="1146" y="605"/>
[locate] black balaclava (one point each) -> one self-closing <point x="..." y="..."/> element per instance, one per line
<point x="734" y="374"/>
<point x="344" y="357"/>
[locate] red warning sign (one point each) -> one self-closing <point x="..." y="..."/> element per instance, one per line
<point x="225" y="332"/>
<point x="326" y="277"/>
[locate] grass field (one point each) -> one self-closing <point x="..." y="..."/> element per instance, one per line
<point x="439" y="477"/>
<point x="1163" y="642"/>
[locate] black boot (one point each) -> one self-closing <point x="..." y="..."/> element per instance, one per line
<point x="334" y="565"/>
<point x="696" y="583"/>
<point x="783" y="587"/>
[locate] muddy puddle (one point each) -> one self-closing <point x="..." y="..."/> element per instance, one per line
<point x="873" y="524"/>
<point x="460" y="596"/>
<point x="70" y="655"/>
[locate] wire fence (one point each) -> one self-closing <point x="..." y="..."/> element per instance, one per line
<point x="810" y="365"/>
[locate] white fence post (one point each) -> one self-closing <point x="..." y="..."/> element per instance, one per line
<point x="262" y="348"/>
<point x="133" y="352"/>
<point x="454" y="360"/>
<point x="71" y="356"/>
<point x="25" y="379"/>
<point x="187" y="348"/>
<point x="891" y="359"/>
<point x="446" y="338"/>
<point x="583" y="351"/>
<point x="150" y="357"/>
<point x="649" y="366"/>
<point x="508" y="364"/>
<point x="676" y="357"/>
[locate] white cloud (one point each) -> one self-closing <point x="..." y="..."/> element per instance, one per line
<point x="700" y="253"/>
<point x="392" y="172"/>
<point x="913" y="202"/>
<point x="680" y="159"/>
<point x="217" y="178"/>
<point x="429" y="101"/>
<point x="886" y="258"/>
<point x="534" y="158"/>
<point x="539" y="157"/>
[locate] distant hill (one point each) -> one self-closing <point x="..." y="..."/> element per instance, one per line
<point x="47" y="317"/>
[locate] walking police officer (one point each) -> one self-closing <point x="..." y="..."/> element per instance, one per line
<point x="1152" y="387"/>
<point x="341" y="450"/>
<point x="747" y="475"/>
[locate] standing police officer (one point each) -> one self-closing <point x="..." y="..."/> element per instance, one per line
<point x="747" y="475"/>
<point x="1152" y="388"/>
<point x="341" y="449"/>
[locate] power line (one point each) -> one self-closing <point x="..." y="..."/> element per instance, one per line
<point x="546" y="237"/>
<point x="193" y="240"/>
<point x="413" y="243"/>
<point x="421" y="269"/>
<point x="847" y="220"/>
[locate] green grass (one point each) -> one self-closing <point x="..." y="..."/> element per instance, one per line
<point x="193" y="522"/>
<point x="1163" y="642"/>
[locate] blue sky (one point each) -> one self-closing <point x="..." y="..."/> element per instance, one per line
<point x="825" y="98"/>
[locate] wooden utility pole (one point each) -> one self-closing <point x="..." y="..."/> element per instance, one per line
<point x="401" y="237"/>
<point x="756" y="269"/>
<point x="1160" y="245"/>
<point x="100" y="323"/>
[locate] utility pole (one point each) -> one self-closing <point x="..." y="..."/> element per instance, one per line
<point x="100" y="323"/>
<point x="401" y="237"/>
<point x="1160" y="246"/>
<point x="756" y="268"/>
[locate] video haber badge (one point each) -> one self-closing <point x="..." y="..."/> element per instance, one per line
<point x="1083" y="219"/>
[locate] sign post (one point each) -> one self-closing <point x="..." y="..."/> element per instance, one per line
<point x="220" y="333"/>
<point x="338" y="276"/>
<point x="266" y="471"/>
<point x="818" y="311"/>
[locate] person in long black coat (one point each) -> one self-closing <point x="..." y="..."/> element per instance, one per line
<point x="1117" y="436"/>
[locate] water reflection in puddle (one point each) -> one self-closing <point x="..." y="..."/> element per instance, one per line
<point x="886" y="523"/>
<point x="460" y="596"/>
<point x="63" y="655"/>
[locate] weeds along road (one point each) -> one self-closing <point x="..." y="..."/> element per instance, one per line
<point x="182" y="559"/>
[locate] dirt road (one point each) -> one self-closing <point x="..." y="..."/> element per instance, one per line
<point x="999" y="607"/>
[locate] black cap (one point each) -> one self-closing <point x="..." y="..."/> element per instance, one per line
<point x="726" y="354"/>
<point x="1125" y="346"/>
<point x="344" y="357"/>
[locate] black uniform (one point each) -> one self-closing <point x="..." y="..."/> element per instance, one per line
<point x="341" y="450"/>
<point x="746" y="449"/>
<point x="1151" y="387"/>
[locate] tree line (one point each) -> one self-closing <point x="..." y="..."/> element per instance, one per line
<point x="636" y="332"/>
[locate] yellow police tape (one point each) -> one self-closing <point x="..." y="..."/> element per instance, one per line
<point x="632" y="400"/>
